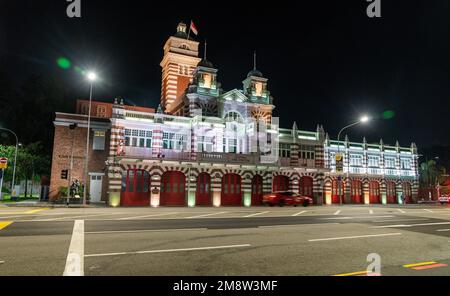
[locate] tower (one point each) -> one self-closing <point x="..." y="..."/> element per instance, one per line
<point x="179" y="61"/>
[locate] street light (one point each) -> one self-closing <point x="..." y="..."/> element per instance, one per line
<point x="363" y="119"/>
<point x="91" y="77"/>
<point x="15" y="156"/>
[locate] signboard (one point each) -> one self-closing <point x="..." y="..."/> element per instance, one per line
<point x="3" y="163"/>
<point x="339" y="162"/>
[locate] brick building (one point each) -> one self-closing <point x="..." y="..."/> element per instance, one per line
<point x="205" y="146"/>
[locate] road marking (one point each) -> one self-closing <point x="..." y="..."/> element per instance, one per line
<point x="75" y="256"/>
<point x="412" y="225"/>
<point x="371" y="212"/>
<point x="256" y="214"/>
<point x="299" y="213"/>
<point x="430" y="266"/>
<point x="401" y="211"/>
<point x="294" y="225"/>
<point x="419" y="264"/>
<point x="205" y="215"/>
<point x="36" y="211"/>
<point x="337" y="212"/>
<point x="154" y="215"/>
<point x="1" y="262"/>
<point x="440" y="230"/>
<point x="399" y="220"/>
<point x="144" y="230"/>
<point x="79" y="216"/>
<point x="169" y="250"/>
<point x="358" y="273"/>
<point x="427" y="210"/>
<point x="4" y="224"/>
<point x="352" y="237"/>
<point x="356" y="217"/>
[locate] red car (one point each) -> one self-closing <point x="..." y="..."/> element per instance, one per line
<point x="444" y="199"/>
<point x="287" y="198"/>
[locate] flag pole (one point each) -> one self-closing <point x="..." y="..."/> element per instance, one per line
<point x="189" y="32"/>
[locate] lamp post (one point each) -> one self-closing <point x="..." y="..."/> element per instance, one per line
<point x="92" y="77"/>
<point x="363" y="119"/>
<point x="15" y="157"/>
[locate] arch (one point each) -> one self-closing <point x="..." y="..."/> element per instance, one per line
<point x="407" y="192"/>
<point x="231" y="190"/>
<point x="356" y="190"/>
<point x="203" y="192"/>
<point x="135" y="188"/>
<point x="306" y="186"/>
<point x="391" y="192"/>
<point x="337" y="191"/>
<point x="173" y="192"/>
<point x="257" y="190"/>
<point x="280" y="183"/>
<point x="374" y="192"/>
<point x="233" y="116"/>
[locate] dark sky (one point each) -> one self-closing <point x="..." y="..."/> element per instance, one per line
<point x="326" y="61"/>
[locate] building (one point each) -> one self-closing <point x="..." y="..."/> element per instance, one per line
<point x="205" y="146"/>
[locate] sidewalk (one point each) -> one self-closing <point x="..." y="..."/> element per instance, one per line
<point x="45" y="204"/>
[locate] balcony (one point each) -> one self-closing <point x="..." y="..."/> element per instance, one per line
<point x="146" y="153"/>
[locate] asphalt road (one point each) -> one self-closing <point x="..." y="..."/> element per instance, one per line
<point x="329" y="240"/>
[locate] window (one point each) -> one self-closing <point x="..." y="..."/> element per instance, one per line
<point x="232" y="145"/>
<point x="373" y="161"/>
<point x="332" y="158"/>
<point x="174" y="141"/>
<point x="405" y="163"/>
<point x="285" y="150"/>
<point x="99" y="140"/>
<point x="389" y="162"/>
<point x="101" y="111"/>
<point x="307" y="152"/>
<point x="356" y="159"/>
<point x="138" y="138"/>
<point x="205" y="144"/>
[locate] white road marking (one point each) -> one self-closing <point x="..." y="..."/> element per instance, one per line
<point x="144" y="230"/>
<point x="75" y="257"/>
<point x="1" y="262"/>
<point x="168" y="250"/>
<point x="427" y="210"/>
<point x="256" y="214"/>
<point x="337" y="212"/>
<point x="352" y="237"/>
<point x="146" y="216"/>
<point x="356" y="217"/>
<point x="412" y="225"/>
<point x="297" y="225"/>
<point x="443" y="230"/>
<point x="399" y="220"/>
<point x="299" y="213"/>
<point x="205" y="215"/>
<point x="401" y="211"/>
<point x="370" y="211"/>
<point x="79" y="216"/>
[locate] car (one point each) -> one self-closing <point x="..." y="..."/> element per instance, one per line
<point x="282" y="198"/>
<point x="444" y="199"/>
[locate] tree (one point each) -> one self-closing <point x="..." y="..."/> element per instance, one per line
<point x="431" y="174"/>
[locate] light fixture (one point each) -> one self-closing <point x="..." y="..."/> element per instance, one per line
<point x="91" y="76"/>
<point x="364" y="119"/>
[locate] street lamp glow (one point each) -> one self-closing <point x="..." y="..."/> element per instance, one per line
<point x="364" y="119"/>
<point x="92" y="76"/>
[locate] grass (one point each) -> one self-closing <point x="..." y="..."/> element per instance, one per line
<point x="7" y="198"/>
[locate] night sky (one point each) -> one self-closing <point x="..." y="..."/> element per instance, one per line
<point x="326" y="61"/>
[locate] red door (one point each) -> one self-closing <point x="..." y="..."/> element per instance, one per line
<point x="231" y="190"/>
<point x="135" y="188"/>
<point x="203" y="193"/>
<point x="306" y="186"/>
<point x="257" y="190"/>
<point x="374" y="192"/>
<point x="407" y="193"/>
<point x="173" y="189"/>
<point x="337" y="192"/>
<point x="280" y="183"/>
<point x="391" y="194"/>
<point x="356" y="192"/>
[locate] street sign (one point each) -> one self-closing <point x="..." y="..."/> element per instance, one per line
<point x="3" y="163"/>
<point x="64" y="174"/>
<point x="339" y="162"/>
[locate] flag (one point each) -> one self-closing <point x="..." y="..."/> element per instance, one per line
<point x="193" y="28"/>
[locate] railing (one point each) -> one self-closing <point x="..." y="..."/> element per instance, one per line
<point x="227" y="157"/>
<point x="142" y="152"/>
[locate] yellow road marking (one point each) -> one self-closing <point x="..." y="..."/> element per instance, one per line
<point x="4" y="224"/>
<point x="419" y="264"/>
<point x="352" y="273"/>
<point x="35" y="211"/>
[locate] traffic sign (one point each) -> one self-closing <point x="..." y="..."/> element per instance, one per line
<point x="339" y="162"/>
<point x="3" y="163"/>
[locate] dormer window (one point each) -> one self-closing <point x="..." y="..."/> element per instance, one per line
<point x="258" y="89"/>
<point x="207" y="79"/>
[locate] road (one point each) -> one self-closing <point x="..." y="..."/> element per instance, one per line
<point x="328" y="240"/>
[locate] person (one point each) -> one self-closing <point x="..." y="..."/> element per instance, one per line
<point x="403" y="199"/>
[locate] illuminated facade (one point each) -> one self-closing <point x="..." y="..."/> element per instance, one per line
<point x="208" y="147"/>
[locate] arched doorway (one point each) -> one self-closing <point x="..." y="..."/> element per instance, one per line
<point x="391" y="193"/>
<point x="135" y="188"/>
<point x="306" y="186"/>
<point x="356" y="192"/>
<point x="231" y="190"/>
<point x="173" y="191"/>
<point x="407" y="192"/>
<point x="280" y="183"/>
<point x="374" y="192"/>
<point x="337" y="192"/>
<point x="203" y="192"/>
<point x="257" y="190"/>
